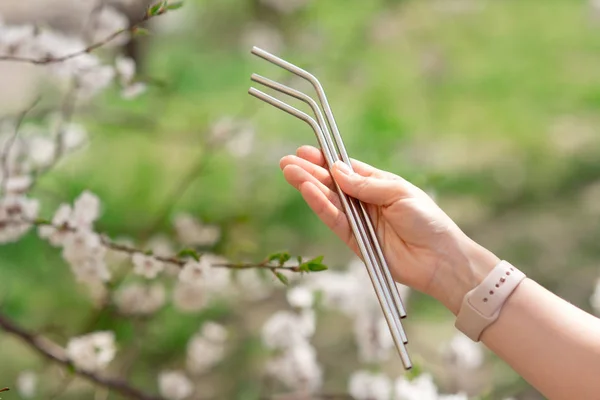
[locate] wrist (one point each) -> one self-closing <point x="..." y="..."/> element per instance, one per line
<point x="462" y="271"/>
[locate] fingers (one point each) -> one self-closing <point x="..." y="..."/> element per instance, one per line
<point x="297" y="176"/>
<point x="315" y="156"/>
<point x="315" y="170"/>
<point x="370" y="189"/>
<point x="331" y="215"/>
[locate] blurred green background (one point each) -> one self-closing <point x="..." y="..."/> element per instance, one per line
<point x="491" y="106"/>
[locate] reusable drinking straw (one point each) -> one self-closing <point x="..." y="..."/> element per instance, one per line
<point x="333" y="150"/>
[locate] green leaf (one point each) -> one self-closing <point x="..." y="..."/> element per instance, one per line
<point x="280" y="257"/>
<point x="188" y="253"/>
<point x="42" y="221"/>
<point x="156" y="8"/>
<point x="314" y="267"/>
<point x="71" y="368"/>
<point x="282" y="278"/>
<point x="299" y="258"/>
<point x="304" y="267"/>
<point x="175" y="5"/>
<point x="415" y="371"/>
<point x="139" y="31"/>
<point x="317" y="260"/>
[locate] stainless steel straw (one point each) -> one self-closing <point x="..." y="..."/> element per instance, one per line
<point x="377" y="268"/>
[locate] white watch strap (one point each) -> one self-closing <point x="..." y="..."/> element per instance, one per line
<point x="481" y="306"/>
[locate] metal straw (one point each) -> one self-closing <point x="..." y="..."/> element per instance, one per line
<point x="344" y="155"/>
<point x="385" y="288"/>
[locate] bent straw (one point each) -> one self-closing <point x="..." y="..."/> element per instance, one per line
<point x="344" y="155"/>
<point x="394" y="329"/>
<point x="330" y="148"/>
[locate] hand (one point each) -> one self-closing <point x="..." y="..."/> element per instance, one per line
<point x="424" y="248"/>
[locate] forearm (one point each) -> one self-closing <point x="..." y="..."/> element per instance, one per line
<point x="552" y="344"/>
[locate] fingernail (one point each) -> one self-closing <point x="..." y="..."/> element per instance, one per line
<point x="343" y="167"/>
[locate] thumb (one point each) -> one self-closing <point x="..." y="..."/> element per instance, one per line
<point x="372" y="190"/>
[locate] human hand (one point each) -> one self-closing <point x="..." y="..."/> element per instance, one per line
<point x="424" y="248"/>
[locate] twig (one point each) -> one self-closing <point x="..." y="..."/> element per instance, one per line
<point x="4" y="159"/>
<point x="45" y="348"/>
<point x="52" y="60"/>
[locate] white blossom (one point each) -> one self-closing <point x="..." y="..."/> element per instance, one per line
<point x="420" y="388"/>
<point x="297" y="368"/>
<point x="80" y="217"/>
<point x="214" y="332"/>
<point x="191" y="232"/>
<point x="17" y="40"/>
<point x="86" y="210"/>
<point x="85" y="253"/>
<point x="146" y="266"/>
<point x="125" y="67"/>
<point x="134" y="90"/>
<point x="106" y="23"/>
<point x="462" y="353"/>
<point x="373" y="337"/>
<point x="174" y="385"/>
<point x="18" y="185"/>
<point x="41" y="150"/>
<point x="206" y="348"/>
<point x="189" y="297"/>
<point x="217" y="278"/>
<point x="27" y="384"/>
<point x="141" y="299"/>
<point x="253" y="286"/>
<point x="457" y="396"/>
<point x="340" y="291"/>
<point x="93" y="80"/>
<point x="62" y="218"/>
<point x="194" y="271"/>
<point x="365" y="385"/>
<point x="285" y="329"/>
<point x="92" y="352"/>
<point x="300" y="297"/>
<point x="73" y="136"/>
<point x="16" y="214"/>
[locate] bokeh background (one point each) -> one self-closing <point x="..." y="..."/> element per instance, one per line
<point x="491" y="106"/>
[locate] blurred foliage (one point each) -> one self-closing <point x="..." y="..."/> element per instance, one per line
<point x="489" y="105"/>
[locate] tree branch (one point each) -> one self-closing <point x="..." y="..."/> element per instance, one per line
<point x="4" y="159"/>
<point x="94" y="46"/>
<point x="178" y="261"/>
<point x="55" y="353"/>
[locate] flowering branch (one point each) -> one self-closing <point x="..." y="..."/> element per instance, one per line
<point x="274" y="262"/>
<point x="56" y="354"/>
<point x="153" y="11"/>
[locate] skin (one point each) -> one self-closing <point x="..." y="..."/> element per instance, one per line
<point x="552" y="344"/>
